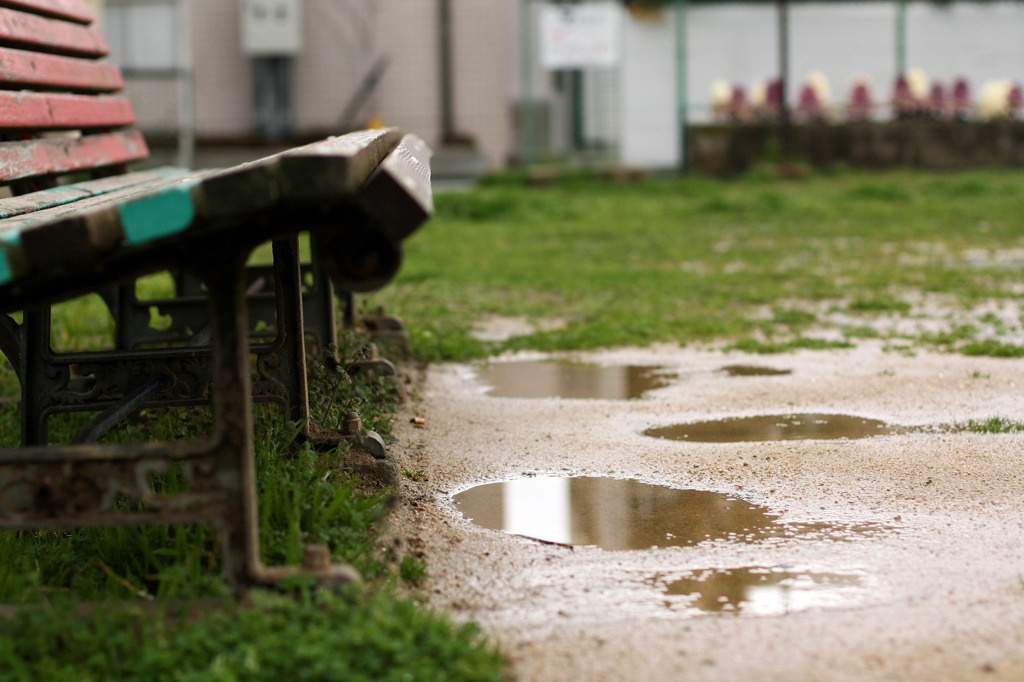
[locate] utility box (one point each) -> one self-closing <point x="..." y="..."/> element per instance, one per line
<point x="271" y="28"/>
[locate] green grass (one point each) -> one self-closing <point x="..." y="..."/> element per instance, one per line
<point x="358" y="635"/>
<point x="372" y="631"/>
<point x="758" y="264"/>
<point x="696" y="260"/>
<point x="995" y="425"/>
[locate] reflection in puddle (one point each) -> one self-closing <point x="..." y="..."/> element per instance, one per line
<point x="762" y="591"/>
<point x="776" y="427"/>
<point x="550" y="379"/>
<point x="619" y="514"/>
<point x="754" y="371"/>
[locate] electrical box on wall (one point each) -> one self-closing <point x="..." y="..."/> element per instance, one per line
<point x="271" y="27"/>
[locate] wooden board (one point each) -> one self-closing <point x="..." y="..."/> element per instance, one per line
<point x="335" y="165"/>
<point x="58" y="251"/>
<point x="321" y="171"/>
<point x="84" y="230"/>
<point x="72" y="10"/>
<point x="47" y="111"/>
<point x="43" y="34"/>
<point x="35" y="202"/>
<point x="20" y="69"/>
<point x="398" y="196"/>
<point x="50" y="156"/>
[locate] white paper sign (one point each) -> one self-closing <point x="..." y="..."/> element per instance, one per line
<point x="578" y="36"/>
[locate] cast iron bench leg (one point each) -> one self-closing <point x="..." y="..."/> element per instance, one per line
<point x="223" y="274"/>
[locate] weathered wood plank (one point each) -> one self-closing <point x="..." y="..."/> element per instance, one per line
<point x="62" y="240"/>
<point x="52" y="239"/>
<point x="320" y="171"/>
<point x="50" y="156"/>
<point x="336" y="165"/>
<point x="398" y="195"/>
<point x="43" y="34"/>
<point x="22" y="69"/>
<point x="47" y="111"/>
<point x="71" y="10"/>
<point x="66" y="194"/>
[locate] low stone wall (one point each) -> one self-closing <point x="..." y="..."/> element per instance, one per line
<point x="730" y="149"/>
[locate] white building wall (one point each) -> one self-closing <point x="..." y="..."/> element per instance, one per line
<point x="223" y="77"/>
<point x="650" y="121"/>
<point x="978" y="41"/>
<point x="738" y="44"/>
<point x="342" y="40"/>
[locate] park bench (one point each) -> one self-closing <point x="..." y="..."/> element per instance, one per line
<point x="79" y="222"/>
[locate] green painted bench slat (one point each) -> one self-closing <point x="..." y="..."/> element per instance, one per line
<point x="67" y="238"/>
<point x="66" y="194"/>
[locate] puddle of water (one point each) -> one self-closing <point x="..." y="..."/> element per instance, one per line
<point x="761" y="590"/>
<point x="754" y="371"/>
<point x="776" y="427"/>
<point x="551" y="379"/>
<point x="618" y="514"/>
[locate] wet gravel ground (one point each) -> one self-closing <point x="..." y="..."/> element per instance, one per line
<point x="939" y="595"/>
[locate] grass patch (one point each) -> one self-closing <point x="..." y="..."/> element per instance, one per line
<point x="995" y="425"/>
<point x="369" y="632"/>
<point x="788" y="346"/>
<point x="696" y="260"/>
<point x="357" y="635"/>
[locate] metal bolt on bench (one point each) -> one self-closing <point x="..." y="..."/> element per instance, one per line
<point x="357" y="195"/>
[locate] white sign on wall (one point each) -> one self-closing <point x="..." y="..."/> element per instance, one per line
<point x="579" y="36"/>
<point x="271" y="27"/>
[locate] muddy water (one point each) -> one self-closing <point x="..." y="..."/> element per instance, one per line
<point x="754" y="371"/>
<point x="617" y="514"/>
<point x="759" y="590"/>
<point x="776" y="427"/>
<point x="551" y="379"/>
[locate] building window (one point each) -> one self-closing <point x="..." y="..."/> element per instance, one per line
<point x="142" y="35"/>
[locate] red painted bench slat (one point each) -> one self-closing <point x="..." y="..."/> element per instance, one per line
<point x="72" y="10"/>
<point x="18" y="29"/>
<point x="49" y="156"/>
<point x="21" y="69"/>
<point x="36" y="111"/>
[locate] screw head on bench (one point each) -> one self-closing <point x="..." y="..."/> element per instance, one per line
<point x="316" y="558"/>
<point x="352" y="424"/>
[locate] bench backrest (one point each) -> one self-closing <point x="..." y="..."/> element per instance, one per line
<point x="59" y="113"/>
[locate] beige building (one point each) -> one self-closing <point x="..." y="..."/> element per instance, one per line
<point x="189" y="65"/>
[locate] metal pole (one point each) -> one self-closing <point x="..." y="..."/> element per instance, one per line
<point x="447" y="101"/>
<point x="187" y="87"/>
<point x="681" y="81"/>
<point x="526" y="123"/>
<point x="901" y="37"/>
<point x="784" y="122"/>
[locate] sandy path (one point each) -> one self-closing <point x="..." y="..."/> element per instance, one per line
<point x="941" y="592"/>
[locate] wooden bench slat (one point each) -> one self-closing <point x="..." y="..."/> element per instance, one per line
<point x="53" y="156"/>
<point x="21" y="69"/>
<point x="314" y="172"/>
<point x="48" y="111"/>
<point x="89" y="227"/>
<point x="331" y="166"/>
<point x="211" y="199"/>
<point x="398" y="194"/>
<point x="35" y="202"/>
<point x="71" y="10"/>
<point x="19" y="29"/>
